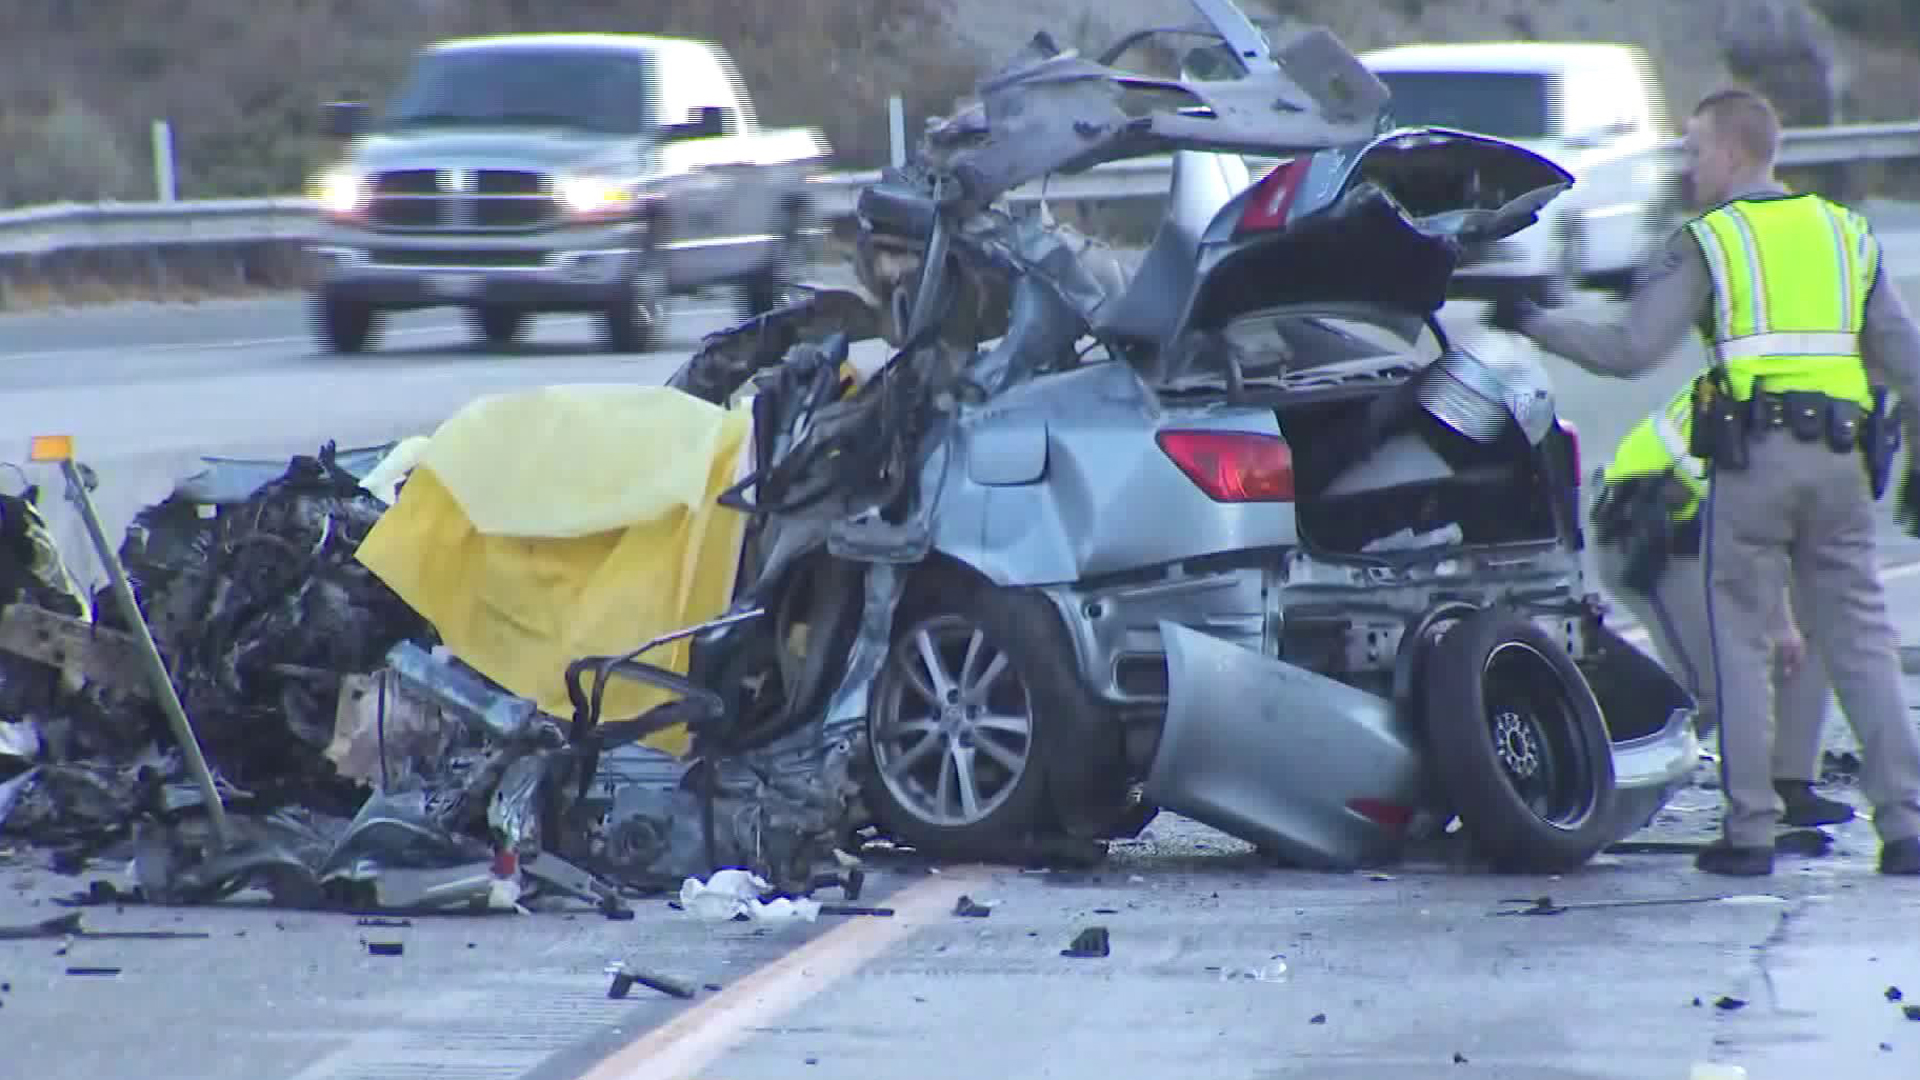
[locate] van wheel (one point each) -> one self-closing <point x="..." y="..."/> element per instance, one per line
<point x="980" y="733"/>
<point x="1519" y="744"/>
<point x="345" y="326"/>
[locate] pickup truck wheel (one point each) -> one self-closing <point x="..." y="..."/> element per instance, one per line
<point x="1519" y="744"/>
<point x="633" y="323"/>
<point x="767" y="288"/>
<point x="345" y="326"/>
<point x="499" y="326"/>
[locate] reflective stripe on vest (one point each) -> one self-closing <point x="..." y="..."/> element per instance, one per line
<point x="1790" y="283"/>
<point x="1659" y="443"/>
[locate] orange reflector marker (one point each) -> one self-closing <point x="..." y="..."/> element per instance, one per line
<point x="51" y="448"/>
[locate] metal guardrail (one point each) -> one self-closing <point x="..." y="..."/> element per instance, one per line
<point x="66" y="226"/>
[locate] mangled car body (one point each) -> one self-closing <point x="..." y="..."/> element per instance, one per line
<point x="1237" y="532"/>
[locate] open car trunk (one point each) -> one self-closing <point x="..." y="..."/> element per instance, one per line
<point x="1424" y="484"/>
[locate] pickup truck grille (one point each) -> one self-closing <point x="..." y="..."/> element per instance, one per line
<point x="461" y="200"/>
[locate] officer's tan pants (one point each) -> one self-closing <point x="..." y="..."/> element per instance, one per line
<point x="1675" y="618"/>
<point x="1802" y="509"/>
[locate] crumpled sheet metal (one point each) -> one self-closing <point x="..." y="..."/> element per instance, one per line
<point x="262" y="608"/>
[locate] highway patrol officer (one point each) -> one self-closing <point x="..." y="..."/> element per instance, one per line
<point x="1798" y="312"/>
<point x="1647" y="539"/>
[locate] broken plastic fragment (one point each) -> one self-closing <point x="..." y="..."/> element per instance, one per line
<point x="967" y="907"/>
<point x="732" y="893"/>
<point x="1091" y="942"/>
<point x="1728" y="1004"/>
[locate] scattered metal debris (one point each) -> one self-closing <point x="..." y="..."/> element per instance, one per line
<point x="1729" y="1004"/>
<point x="625" y="976"/>
<point x="385" y="948"/>
<point x="967" y="907"/>
<point x="93" y="971"/>
<point x="1544" y="905"/>
<point x="1092" y="942"/>
<point x="1893" y="993"/>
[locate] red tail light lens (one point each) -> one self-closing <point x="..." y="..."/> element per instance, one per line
<point x="1272" y="197"/>
<point x="1573" y="444"/>
<point x="1233" y="466"/>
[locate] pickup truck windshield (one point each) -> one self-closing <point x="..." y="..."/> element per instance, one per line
<point x="592" y="90"/>
<point x="1505" y="105"/>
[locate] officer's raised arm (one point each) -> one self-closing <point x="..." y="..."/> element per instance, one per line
<point x="1672" y="291"/>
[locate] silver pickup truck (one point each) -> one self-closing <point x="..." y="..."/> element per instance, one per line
<point x="599" y="173"/>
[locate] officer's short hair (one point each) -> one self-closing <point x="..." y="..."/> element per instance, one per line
<point x="1745" y="117"/>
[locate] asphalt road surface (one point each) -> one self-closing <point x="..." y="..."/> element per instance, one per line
<point x="1220" y="967"/>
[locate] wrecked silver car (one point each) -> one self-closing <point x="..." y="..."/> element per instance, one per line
<point x="1236" y="531"/>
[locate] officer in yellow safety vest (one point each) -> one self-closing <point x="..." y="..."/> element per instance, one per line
<point x="1646" y="521"/>
<point x="1801" y="321"/>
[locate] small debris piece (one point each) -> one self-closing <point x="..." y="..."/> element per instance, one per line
<point x="1893" y="993"/>
<point x="1091" y="942"/>
<point x="624" y="977"/>
<point x="1318" y="1018"/>
<point x="713" y="987"/>
<point x="93" y="971"/>
<point x="1728" y="1004"/>
<point x="853" y="909"/>
<point x="1912" y="1012"/>
<point x="386" y="948"/>
<point x="1459" y="1058"/>
<point x="391" y="923"/>
<point x="967" y="908"/>
<point x="813" y="1061"/>
<point x="1886" y="1048"/>
<point x="1106" y="911"/>
<point x="617" y="913"/>
<point x="1696" y="1003"/>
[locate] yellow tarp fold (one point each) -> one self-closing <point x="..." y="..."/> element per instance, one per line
<point x="568" y="521"/>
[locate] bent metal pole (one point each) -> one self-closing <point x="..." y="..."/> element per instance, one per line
<point x="50" y="449"/>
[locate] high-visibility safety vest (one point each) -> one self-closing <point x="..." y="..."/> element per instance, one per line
<point x="1659" y="443"/>
<point x="1790" y="281"/>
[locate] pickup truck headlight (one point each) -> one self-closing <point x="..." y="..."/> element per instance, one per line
<point x="340" y="192"/>
<point x="594" y="197"/>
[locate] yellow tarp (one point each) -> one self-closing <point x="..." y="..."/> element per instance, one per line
<point x="543" y="526"/>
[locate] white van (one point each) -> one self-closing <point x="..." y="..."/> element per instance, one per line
<point x="1597" y="110"/>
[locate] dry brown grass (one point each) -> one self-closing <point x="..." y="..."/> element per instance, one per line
<point x="242" y="83"/>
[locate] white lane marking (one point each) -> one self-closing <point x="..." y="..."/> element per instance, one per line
<point x="1638" y="634"/>
<point x="695" y="1039"/>
<point x="294" y="339"/>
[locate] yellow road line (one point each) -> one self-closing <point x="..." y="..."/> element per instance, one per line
<point x="692" y="1041"/>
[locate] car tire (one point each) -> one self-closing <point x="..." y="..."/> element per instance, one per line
<point x="498" y="324"/>
<point x="1518" y="743"/>
<point x="767" y="288"/>
<point x="1050" y="770"/>
<point x="345" y="326"/>
<point x="633" y="323"/>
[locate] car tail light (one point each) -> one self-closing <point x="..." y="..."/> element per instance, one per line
<point x="1573" y="445"/>
<point x="1233" y="466"/>
<point x="1272" y="197"/>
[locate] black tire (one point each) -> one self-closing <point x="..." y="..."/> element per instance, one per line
<point x="1072" y="778"/>
<point x="633" y="323"/>
<point x="1503" y="699"/>
<point x="768" y="288"/>
<point x="345" y="326"/>
<point x="499" y="325"/>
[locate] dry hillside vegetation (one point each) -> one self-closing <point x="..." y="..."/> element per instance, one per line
<point x="241" y="82"/>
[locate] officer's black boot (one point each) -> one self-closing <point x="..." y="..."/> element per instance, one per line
<point x="1805" y="809"/>
<point x="1720" y="858"/>
<point x="1901" y="857"/>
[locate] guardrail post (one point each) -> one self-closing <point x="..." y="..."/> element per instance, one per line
<point x="163" y="160"/>
<point x="897" y="130"/>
